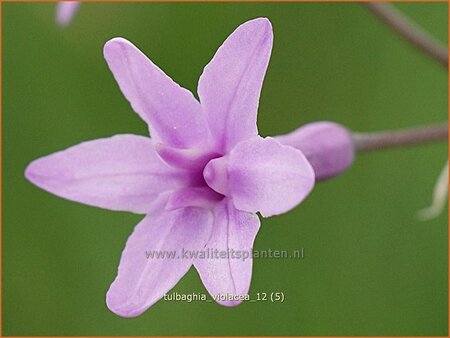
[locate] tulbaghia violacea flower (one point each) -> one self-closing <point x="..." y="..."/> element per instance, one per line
<point x="65" y="11"/>
<point x="200" y="178"/>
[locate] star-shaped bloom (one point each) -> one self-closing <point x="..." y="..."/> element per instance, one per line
<point x="200" y="179"/>
<point x="65" y="11"/>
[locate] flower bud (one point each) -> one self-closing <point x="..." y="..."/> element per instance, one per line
<point x="328" y="147"/>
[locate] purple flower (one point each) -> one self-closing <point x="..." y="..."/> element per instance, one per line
<point x="328" y="147"/>
<point x="200" y="178"/>
<point x="65" y="11"/>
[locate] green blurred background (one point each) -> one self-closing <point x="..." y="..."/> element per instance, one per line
<point x="370" y="267"/>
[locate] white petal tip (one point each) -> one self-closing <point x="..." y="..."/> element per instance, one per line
<point x="428" y="214"/>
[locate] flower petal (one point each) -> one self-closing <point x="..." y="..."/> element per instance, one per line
<point x="194" y="158"/>
<point x="202" y="197"/>
<point x="266" y="176"/>
<point x="173" y="114"/>
<point x="328" y="146"/>
<point x="230" y="85"/>
<point x="119" y="173"/>
<point x="233" y="233"/>
<point x="440" y="194"/>
<point x="65" y="11"/>
<point x="142" y="279"/>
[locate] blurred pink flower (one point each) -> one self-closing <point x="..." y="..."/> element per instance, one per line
<point x="65" y="11"/>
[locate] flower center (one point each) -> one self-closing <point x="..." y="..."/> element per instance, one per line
<point x="215" y="174"/>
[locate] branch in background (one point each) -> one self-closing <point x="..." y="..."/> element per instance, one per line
<point x="394" y="139"/>
<point x="410" y="31"/>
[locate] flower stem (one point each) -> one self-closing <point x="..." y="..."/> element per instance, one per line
<point x="410" y="31"/>
<point x="400" y="138"/>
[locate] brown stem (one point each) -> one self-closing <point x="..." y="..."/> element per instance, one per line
<point x="410" y="31"/>
<point x="400" y="138"/>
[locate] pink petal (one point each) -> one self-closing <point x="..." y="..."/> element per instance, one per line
<point x="234" y="232"/>
<point x="173" y="114"/>
<point x="194" y="158"/>
<point x="328" y="146"/>
<point x="141" y="280"/>
<point x="65" y="11"/>
<point x="119" y="173"/>
<point x="262" y="175"/>
<point x="202" y="197"/>
<point x="230" y="85"/>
